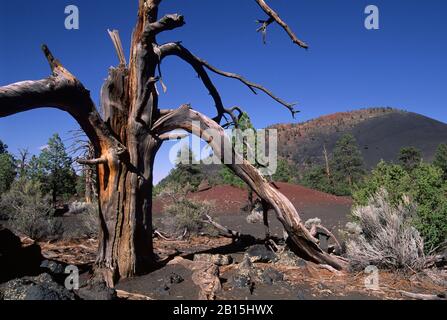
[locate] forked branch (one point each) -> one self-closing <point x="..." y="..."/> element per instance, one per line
<point x="168" y="22"/>
<point x="274" y="17"/>
<point x="199" y="65"/>
<point x="62" y="91"/>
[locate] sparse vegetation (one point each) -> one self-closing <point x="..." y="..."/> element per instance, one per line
<point x="424" y="185"/>
<point x="29" y="211"/>
<point x="343" y="171"/>
<point x="89" y="224"/>
<point x="285" y="172"/>
<point x="186" y="214"/>
<point x="185" y="172"/>
<point x="388" y="238"/>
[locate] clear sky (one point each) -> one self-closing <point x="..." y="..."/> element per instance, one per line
<point x="401" y="65"/>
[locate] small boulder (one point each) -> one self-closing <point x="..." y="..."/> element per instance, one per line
<point x="96" y="289"/>
<point x="175" y="278"/>
<point x="270" y="276"/>
<point x="260" y="253"/>
<point x="290" y="259"/>
<point x="42" y="287"/>
<point x="241" y="281"/>
<point x="246" y="266"/>
<point x="217" y="259"/>
<point x="16" y="260"/>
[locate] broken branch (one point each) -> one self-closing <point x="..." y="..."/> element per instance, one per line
<point x="275" y="17"/>
<point x="92" y="162"/>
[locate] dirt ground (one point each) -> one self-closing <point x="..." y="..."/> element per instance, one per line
<point x="177" y="276"/>
<point x="304" y="282"/>
<point x="227" y="203"/>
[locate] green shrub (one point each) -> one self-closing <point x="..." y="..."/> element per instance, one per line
<point x="29" y="211"/>
<point x="441" y="159"/>
<point x="424" y="185"/>
<point x="7" y="168"/>
<point x="186" y="214"/>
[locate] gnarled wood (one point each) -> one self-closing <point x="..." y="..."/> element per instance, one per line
<point x="194" y="122"/>
<point x="131" y="130"/>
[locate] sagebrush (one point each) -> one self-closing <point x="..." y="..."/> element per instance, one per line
<point x="185" y="214"/>
<point x="388" y="239"/>
<point x="29" y="211"/>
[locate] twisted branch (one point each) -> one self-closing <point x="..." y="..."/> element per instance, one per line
<point x="199" y="65"/>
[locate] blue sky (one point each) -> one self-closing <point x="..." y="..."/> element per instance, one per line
<point x="401" y="65"/>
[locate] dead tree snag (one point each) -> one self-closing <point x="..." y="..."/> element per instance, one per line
<point x="130" y="131"/>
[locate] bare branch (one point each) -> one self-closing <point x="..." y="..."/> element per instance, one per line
<point x="420" y="296"/>
<point x="168" y="22"/>
<point x="62" y="91"/>
<point x="263" y="28"/>
<point x="199" y="64"/>
<point x="223" y="230"/>
<point x="275" y="17"/>
<point x="92" y="162"/>
<point x="173" y="136"/>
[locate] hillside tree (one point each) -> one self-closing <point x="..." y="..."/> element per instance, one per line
<point x="131" y="129"/>
<point x="440" y="159"/>
<point x="347" y="161"/>
<point x="7" y="168"/>
<point x="54" y="170"/>
<point x="410" y="158"/>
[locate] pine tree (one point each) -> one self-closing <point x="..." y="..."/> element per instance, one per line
<point x="347" y="162"/>
<point x="284" y="172"/>
<point x="441" y="158"/>
<point x="410" y="158"/>
<point x="53" y="169"/>
<point x="7" y="168"/>
<point x="185" y="172"/>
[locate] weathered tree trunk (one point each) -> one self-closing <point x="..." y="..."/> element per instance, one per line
<point x="125" y="199"/>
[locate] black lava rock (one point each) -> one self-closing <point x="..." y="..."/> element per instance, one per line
<point x="42" y="287"/>
<point x="241" y="281"/>
<point x="260" y="253"/>
<point x="96" y="290"/>
<point x="175" y="278"/>
<point x="17" y="261"/>
<point x="270" y="276"/>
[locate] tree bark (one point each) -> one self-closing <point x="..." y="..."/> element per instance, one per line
<point x="131" y="130"/>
